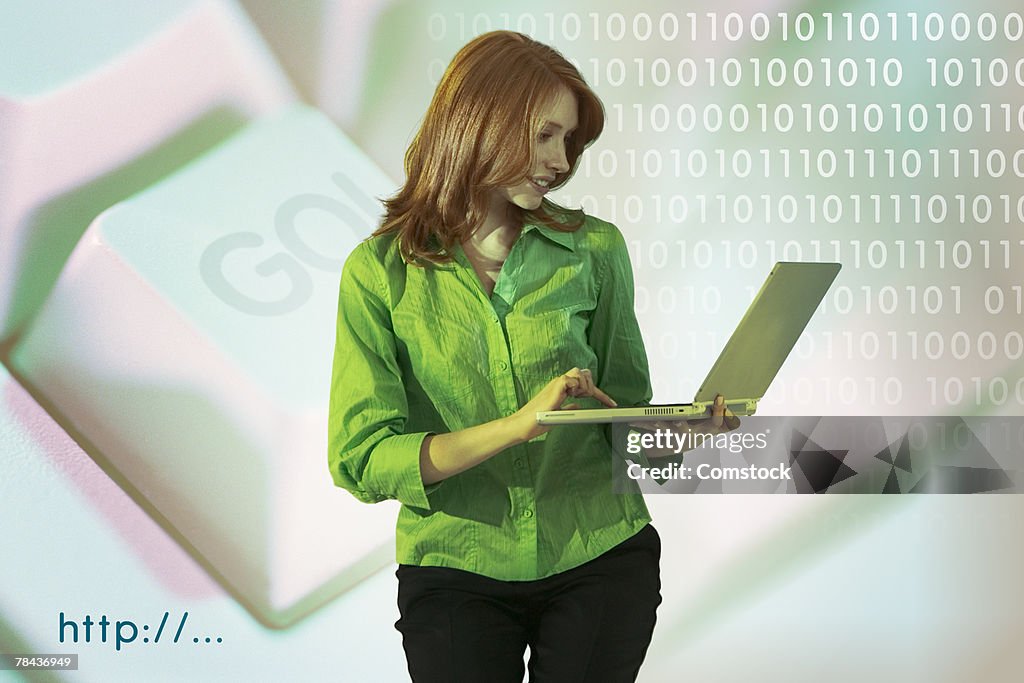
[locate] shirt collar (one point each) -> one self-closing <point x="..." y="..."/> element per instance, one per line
<point x="565" y="239"/>
<point x="559" y="237"/>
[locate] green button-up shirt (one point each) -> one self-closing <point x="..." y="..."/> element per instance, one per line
<point x="425" y="350"/>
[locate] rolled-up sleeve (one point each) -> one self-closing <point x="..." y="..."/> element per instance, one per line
<point x="369" y="453"/>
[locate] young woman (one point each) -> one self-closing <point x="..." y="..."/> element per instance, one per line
<point x="476" y="304"/>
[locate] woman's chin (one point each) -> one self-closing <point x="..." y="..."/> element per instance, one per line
<point x="528" y="203"/>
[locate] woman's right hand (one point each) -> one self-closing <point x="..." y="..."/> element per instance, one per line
<point x="573" y="384"/>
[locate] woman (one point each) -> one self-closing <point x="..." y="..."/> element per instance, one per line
<point x="476" y="304"/>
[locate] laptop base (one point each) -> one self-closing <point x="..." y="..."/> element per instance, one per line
<point x="698" y="410"/>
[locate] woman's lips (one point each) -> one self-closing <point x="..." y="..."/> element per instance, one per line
<point x="539" y="188"/>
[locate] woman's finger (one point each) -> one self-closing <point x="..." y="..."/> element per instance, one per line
<point x="718" y="411"/>
<point x="587" y="381"/>
<point x="577" y="383"/>
<point x="604" y="398"/>
<point x="588" y="388"/>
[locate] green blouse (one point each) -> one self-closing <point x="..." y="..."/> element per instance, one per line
<point x="425" y="350"/>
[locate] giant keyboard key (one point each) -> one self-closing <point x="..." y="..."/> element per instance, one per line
<point x="326" y="47"/>
<point x="99" y="100"/>
<point x="370" y="65"/>
<point x="75" y="545"/>
<point x="189" y="341"/>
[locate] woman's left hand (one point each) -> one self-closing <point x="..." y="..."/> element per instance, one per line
<point x="722" y="420"/>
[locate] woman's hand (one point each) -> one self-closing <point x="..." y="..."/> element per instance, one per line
<point x="722" y="420"/>
<point x="573" y="384"/>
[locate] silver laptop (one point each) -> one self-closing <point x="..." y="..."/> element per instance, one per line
<point x="751" y="358"/>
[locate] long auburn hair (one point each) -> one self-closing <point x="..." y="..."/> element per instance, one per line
<point x="477" y="136"/>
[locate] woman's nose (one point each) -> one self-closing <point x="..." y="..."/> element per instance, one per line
<point x="558" y="161"/>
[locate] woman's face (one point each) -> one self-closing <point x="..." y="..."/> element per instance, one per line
<point x="560" y="119"/>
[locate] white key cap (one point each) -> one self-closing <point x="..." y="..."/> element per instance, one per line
<point x="190" y="340"/>
<point x="370" y="65"/>
<point x="99" y="100"/>
<point x="326" y="46"/>
<point x="73" y="542"/>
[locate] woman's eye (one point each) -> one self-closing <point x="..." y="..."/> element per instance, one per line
<point x="544" y="137"/>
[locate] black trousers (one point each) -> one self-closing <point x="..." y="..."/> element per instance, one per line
<point x="590" y="624"/>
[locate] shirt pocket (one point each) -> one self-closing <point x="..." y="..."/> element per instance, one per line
<point x="444" y="356"/>
<point x="548" y="328"/>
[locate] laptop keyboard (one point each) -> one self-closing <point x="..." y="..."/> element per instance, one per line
<point x="173" y="222"/>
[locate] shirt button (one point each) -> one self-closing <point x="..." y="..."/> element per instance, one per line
<point x="503" y="365"/>
<point x="518" y="462"/>
<point x="527" y="513"/>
